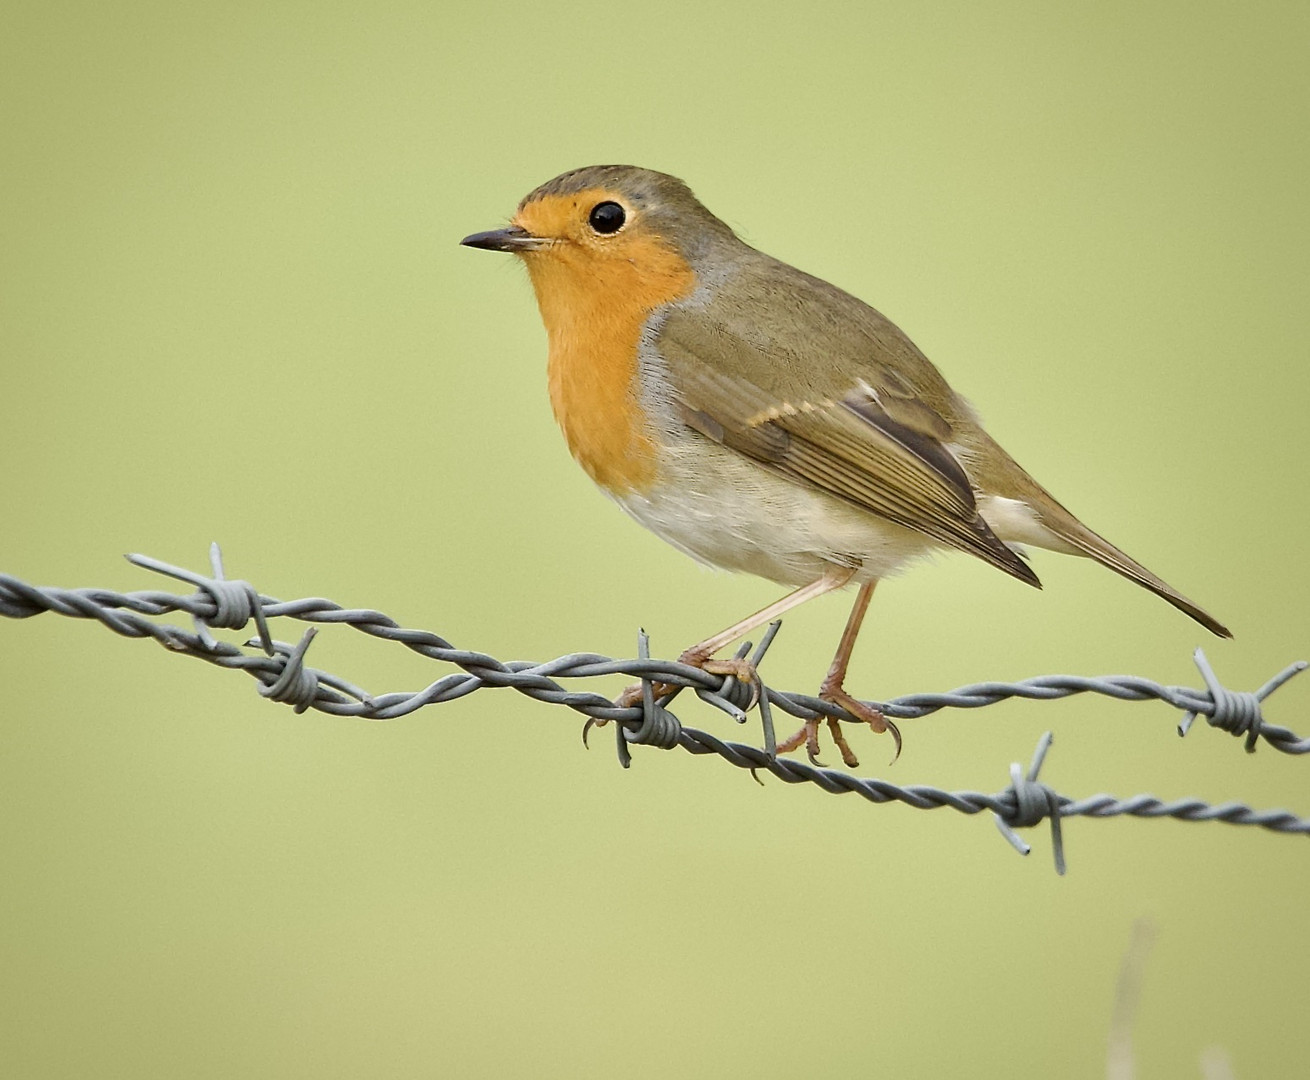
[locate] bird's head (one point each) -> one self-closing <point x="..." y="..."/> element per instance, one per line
<point x="609" y="235"/>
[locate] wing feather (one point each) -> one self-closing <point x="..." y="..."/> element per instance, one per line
<point x="880" y="448"/>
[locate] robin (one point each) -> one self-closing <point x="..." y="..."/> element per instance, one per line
<point x="762" y="420"/>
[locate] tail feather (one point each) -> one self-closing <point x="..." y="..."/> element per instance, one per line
<point x="1075" y="533"/>
<point x="1019" y="509"/>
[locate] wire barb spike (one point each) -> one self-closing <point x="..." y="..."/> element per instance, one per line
<point x="1237" y="712"/>
<point x="1033" y="802"/>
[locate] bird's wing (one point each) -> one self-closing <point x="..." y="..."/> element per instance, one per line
<point x="864" y="437"/>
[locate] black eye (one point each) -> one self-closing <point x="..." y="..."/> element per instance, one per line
<point x="607" y="217"/>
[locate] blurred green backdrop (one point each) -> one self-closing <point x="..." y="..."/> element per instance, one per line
<point x="232" y="307"/>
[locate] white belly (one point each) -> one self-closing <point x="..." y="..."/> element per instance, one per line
<point x="729" y="512"/>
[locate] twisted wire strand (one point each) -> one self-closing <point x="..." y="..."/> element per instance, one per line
<point x="283" y="676"/>
<point x="1004" y="804"/>
<point x="122" y="613"/>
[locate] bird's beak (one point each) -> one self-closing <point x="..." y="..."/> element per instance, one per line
<point x="511" y="238"/>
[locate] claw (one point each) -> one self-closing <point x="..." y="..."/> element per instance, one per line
<point x="896" y="738"/>
<point x="812" y="744"/>
<point x="808" y="736"/>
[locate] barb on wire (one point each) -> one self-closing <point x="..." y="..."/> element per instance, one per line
<point x="283" y="676"/>
<point x="1032" y="803"/>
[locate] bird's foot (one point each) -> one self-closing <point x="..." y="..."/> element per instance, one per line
<point x="808" y="735"/>
<point x="870" y="714"/>
<point x="740" y="669"/>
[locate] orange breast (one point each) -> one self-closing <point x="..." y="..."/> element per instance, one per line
<point x="594" y="307"/>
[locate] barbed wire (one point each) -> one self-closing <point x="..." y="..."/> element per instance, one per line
<point x="282" y="675"/>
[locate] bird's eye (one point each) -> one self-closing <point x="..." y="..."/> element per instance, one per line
<point x="606" y="217"/>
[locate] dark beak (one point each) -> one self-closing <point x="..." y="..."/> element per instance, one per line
<point x="510" y="238"/>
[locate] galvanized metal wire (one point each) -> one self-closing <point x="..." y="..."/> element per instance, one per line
<point x="282" y="675"/>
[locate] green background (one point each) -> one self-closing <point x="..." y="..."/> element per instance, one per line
<point x="232" y="307"/>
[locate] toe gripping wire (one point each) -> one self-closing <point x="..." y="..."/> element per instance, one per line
<point x="659" y="727"/>
<point x="1033" y="801"/>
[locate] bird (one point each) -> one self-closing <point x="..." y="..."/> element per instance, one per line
<point x="762" y="420"/>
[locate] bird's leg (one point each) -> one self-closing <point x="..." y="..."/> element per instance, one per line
<point x="701" y="655"/>
<point x="833" y="691"/>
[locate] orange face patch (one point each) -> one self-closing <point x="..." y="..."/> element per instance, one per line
<point x="595" y="293"/>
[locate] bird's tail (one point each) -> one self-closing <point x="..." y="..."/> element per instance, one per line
<point x="1060" y="530"/>
<point x="1075" y="533"/>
